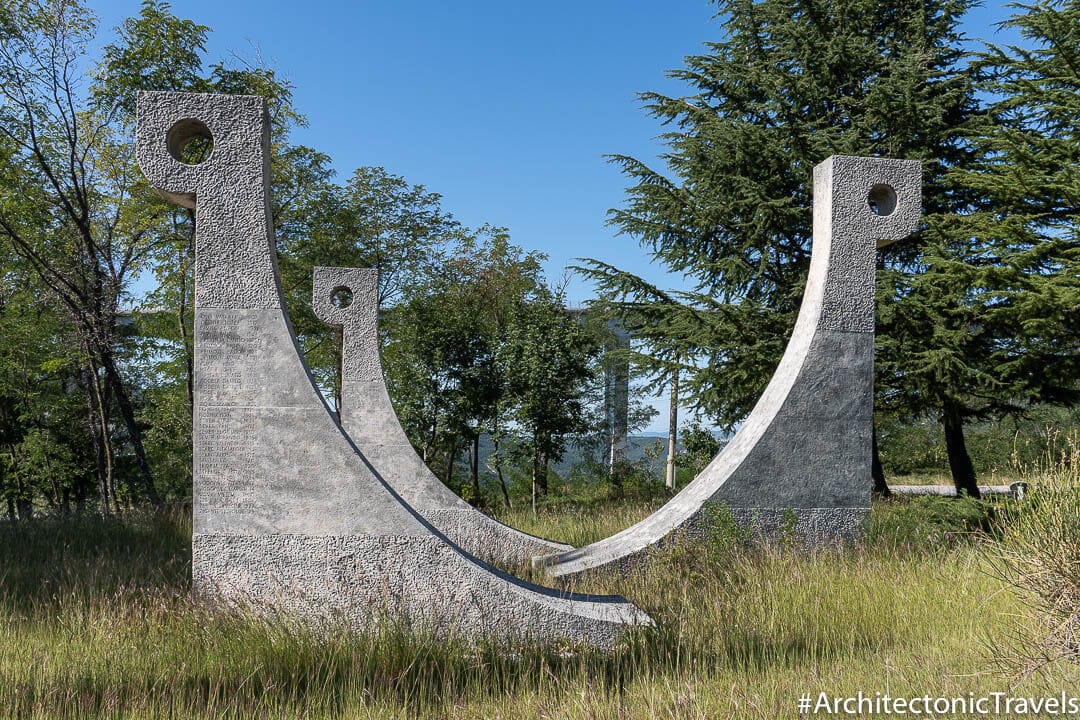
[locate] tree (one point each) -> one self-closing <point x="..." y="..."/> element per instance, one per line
<point x="1007" y="275"/>
<point x="79" y="213"/>
<point x="699" y="447"/>
<point x="43" y="438"/>
<point x="69" y="182"/>
<point x="442" y="345"/>
<point x="790" y="83"/>
<point x="377" y="220"/>
<point x="545" y="360"/>
<point x="1030" y="176"/>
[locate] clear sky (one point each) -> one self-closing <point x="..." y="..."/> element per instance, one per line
<point x="504" y="108"/>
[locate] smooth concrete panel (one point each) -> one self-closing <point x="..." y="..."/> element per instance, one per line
<point x="804" y="451"/>
<point x="288" y="514"/>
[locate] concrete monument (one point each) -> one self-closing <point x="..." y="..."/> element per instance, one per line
<point x="287" y="513"/>
<point x="349" y="297"/>
<point x="804" y="451"/>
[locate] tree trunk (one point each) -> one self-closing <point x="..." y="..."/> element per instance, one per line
<point x="98" y="431"/>
<point x="499" y="472"/>
<point x="451" y="457"/>
<point x="617" y="398"/>
<point x="25" y="506"/>
<point x="339" y="386"/>
<point x="429" y="446"/>
<point x="80" y="495"/>
<point x="476" y="465"/>
<point x="106" y="406"/>
<point x="535" y="479"/>
<point x="963" y="472"/>
<point x="9" y="496"/>
<point x="881" y="488"/>
<point x="541" y="478"/>
<point x="24" y="501"/>
<point x="673" y="428"/>
<point x="127" y="413"/>
<point x="52" y="498"/>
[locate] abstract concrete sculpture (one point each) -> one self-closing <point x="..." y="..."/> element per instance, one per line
<point x="349" y="297"/>
<point x="287" y="513"/>
<point x="804" y="451"/>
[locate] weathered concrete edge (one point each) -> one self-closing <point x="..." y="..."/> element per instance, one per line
<point x="837" y="298"/>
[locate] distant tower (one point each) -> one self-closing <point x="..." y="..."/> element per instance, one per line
<point x="617" y="395"/>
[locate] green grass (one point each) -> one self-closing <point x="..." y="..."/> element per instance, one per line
<point x="96" y="621"/>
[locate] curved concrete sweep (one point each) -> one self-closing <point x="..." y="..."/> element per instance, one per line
<point x="287" y="513"/>
<point x="802" y="457"/>
<point x="369" y="418"/>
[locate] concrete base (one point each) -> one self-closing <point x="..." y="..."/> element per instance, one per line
<point x="1015" y="490"/>
<point x="361" y="582"/>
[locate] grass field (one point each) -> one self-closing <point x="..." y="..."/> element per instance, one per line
<point x="96" y="621"/>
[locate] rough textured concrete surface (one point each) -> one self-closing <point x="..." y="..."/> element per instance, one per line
<point x="288" y="515"/>
<point x="801" y="460"/>
<point x="349" y="297"/>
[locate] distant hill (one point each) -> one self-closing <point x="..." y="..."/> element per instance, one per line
<point x="578" y="455"/>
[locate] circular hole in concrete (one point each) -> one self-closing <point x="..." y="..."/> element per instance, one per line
<point x="341" y="297"/>
<point x="882" y="199"/>
<point x="189" y="141"/>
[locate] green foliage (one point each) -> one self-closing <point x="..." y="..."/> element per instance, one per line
<point x="44" y="452"/>
<point x="977" y="312"/>
<point x="699" y="447"/>
<point x="153" y="51"/>
<point x="442" y="343"/>
<point x="1028" y="276"/>
<point x="376" y="220"/>
<point x="546" y="359"/>
<point x="979" y="317"/>
<point x="990" y="325"/>
<point x="1001" y="450"/>
<point x="788" y="84"/>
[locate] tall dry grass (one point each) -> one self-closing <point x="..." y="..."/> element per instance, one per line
<point x="96" y="621"/>
<point x="1039" y="557"/>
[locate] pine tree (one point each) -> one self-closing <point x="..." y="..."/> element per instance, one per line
<point x="1006" y="276"/>
<point x="790" y="83"/>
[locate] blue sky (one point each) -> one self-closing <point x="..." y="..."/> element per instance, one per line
<point x="504" y="108"/>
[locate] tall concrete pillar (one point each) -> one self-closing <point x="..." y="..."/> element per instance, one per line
<point x="617" y="396"/>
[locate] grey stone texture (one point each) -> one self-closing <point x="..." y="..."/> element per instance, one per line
<point x="288" y="515"/>
<point x="804" y="451"/>
<point x="369" y="418"/>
